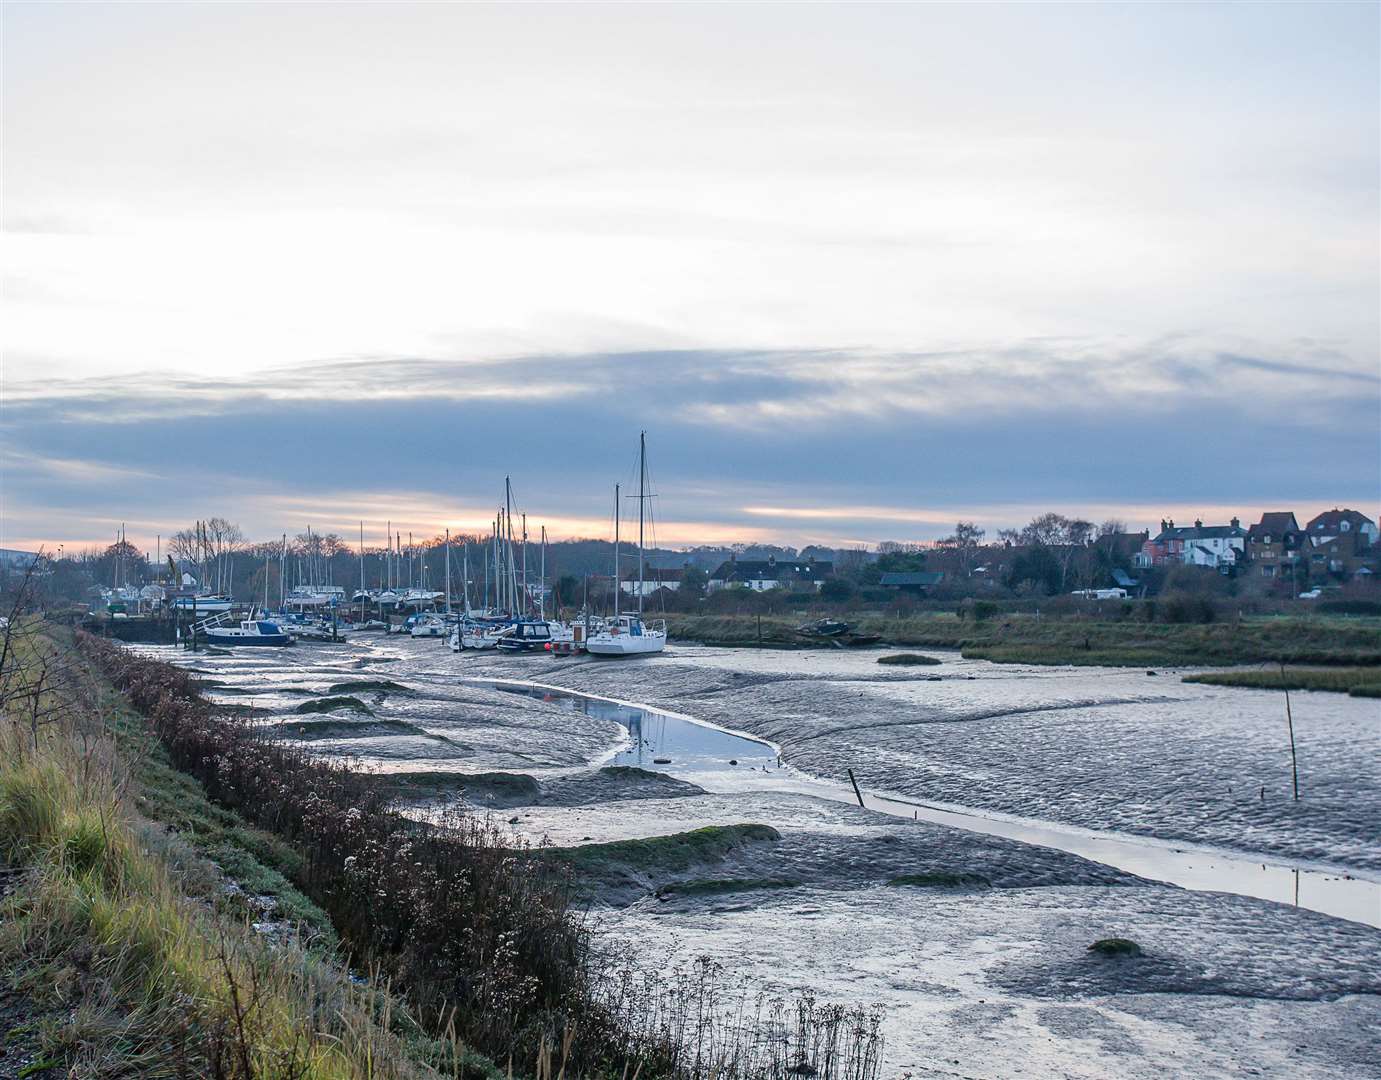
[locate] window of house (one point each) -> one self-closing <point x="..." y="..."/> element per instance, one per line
<point x="1345" y="526"/>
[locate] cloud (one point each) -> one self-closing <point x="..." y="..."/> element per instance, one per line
<point x="827" y="443"/>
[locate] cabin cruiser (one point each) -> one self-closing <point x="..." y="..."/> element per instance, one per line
<point x="628" y="635"/>
<point x="249" y="632"/>
<point x="525" y="635"/>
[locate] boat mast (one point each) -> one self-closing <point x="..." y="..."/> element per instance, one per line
<point x="527" y="596"/>
<point x="542" y="580"/>
<point x="617" y="585"/>
<point x="642" y="495"/>
<point x="448" y="571"/>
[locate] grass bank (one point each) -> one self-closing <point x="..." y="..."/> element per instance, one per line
<point x="1357" y="681"/>
<point x="1027" y="639"/>
<point x="128" y="951"/>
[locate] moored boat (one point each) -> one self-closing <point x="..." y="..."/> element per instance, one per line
<point x="249" y="632"/>
<point x="525" y="635"/>
<point x="628" y="635"/>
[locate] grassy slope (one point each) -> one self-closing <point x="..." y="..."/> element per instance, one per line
<point x="1025" y="639"/>
<point x="126" y="940"/>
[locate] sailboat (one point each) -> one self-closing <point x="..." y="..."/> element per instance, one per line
<point x="629" y="634"/>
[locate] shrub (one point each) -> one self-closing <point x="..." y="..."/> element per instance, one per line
<point x="1349" y="607"/>
<point x="1184" y="607"/>
<point x="1115" y="946"/>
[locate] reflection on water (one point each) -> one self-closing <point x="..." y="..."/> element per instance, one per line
<point x="659" y="741"/>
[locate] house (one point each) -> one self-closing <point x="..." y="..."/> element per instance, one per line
<point x="916" y="582"/>
<point x="1219" y="547"/>
<point x="654" y="578"/>
<point x="1276" y="543"/>
<point x="1335" y="523"/>
<point x="763" y="574"/>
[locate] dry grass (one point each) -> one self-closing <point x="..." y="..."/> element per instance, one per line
<point x="124" y="930"/>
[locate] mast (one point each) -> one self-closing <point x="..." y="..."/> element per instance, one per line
<point x="527" y="596"/>
<point x="642" y="495"/>
<point x="361" y="558"/>
<point x="618" y="587"/>
<point x="283" y="576"/>
<point x="542" y="580"/>
<point x="448" y="571"/>
<point x="465" y="576"/>
<point x="508" y="531"/>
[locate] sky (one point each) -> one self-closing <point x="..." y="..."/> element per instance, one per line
<point x="858" y="270"/>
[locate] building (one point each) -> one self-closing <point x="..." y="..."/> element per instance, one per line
<point x="761" y="575"/>
<point x="1219" y="547"/>
<point x="1341" y="523"/>
<point x="1276" y="543"/>
<point x="916" y="582"/>
<point x="654" y="578"/>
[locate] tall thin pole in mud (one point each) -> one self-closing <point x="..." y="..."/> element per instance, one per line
<point x="855" y="784"/>
<point x="1290" y="724"/>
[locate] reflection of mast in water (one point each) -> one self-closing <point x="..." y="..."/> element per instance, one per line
<point x="635" y="730"/>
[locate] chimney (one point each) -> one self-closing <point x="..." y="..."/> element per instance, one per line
<point x="1236" y="523"/>
<point x="1198" y="523"/>
<point x="1163" y="525"/>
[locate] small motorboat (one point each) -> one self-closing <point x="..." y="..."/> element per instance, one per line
<point x="249" y="632"/>
<point x="824" y="628"/>
<point x="525" y="635"/>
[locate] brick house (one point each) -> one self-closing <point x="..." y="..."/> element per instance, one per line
<point x="1335" y="523"/>
<point x="1276" y="544"/>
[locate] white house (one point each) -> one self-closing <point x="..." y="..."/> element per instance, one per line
<point x="654" y="578"/>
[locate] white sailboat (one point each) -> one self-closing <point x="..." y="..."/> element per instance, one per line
<point x="629" y="634"/>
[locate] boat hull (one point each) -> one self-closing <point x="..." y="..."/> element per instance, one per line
<point x="626" y="645"/>
<point x="241" y="640"/>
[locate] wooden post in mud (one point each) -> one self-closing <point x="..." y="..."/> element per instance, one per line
<point x="1290" y="724"/>
<point x="760" y="630"/>
<point x="855" y="784"/>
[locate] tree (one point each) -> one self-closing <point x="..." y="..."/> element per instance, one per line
<point x="965" y="541"/>
<point x="694" y="582"/>
<point x="836" y="591"/>
<point x="1036" y="568"/>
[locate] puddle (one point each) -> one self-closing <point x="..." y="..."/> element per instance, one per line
<point x="688" y="746"/>
<point x="660" y="741"/>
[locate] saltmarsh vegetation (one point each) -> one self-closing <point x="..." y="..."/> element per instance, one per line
<point x="1356" y="681"/>
<point x="144" y="951"/>
<point x="1024" y="637"/>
